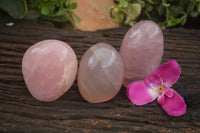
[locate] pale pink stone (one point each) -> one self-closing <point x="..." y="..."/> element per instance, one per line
<point x="100" y="74"/>
<point x="141" y="51"/>
<point x="49" y="68"/>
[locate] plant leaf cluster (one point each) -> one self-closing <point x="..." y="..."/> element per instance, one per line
<point x="125" y="12"/>
<point x="41" y="11"/>
<point x="167" y="13"/>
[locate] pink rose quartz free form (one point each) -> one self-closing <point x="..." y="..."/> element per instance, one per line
<point x="49" y="69"/>
<point x="100" y="74"/>
<point x="141" y="51"/>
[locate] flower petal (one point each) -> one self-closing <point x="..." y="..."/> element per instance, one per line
<point x="169" y="92"/>
<point x="173" y="105"/>
<point x="161" y="99"/>
<point x="169" y="72"/>
<point x="140" y="94"/>
<point x="154" y="81"/>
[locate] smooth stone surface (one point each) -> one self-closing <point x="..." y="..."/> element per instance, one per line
<point x="49" y="68"/>
<point x="141" y="51"/>
<point x="100" y="74"/>
<point x="94" y="15"/>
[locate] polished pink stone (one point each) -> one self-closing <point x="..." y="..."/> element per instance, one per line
<point x="49" y="68"/>
<point x="100" y="74"/>
<point x="141" y="51"/>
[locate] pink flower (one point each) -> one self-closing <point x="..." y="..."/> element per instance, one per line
<point x="158" y="86"/>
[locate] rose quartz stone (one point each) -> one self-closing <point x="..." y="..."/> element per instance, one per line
<point x="49" y="68"/>
<point x="100" y="74"/>
<point x="141" y="51"/>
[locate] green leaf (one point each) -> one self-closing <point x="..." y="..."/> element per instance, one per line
<point x="175" y="11"/>
<point x="15" y="8"/>
<point x="173" y="22"/>
<point x="110" y="10"/>
<point x="161" y="10"/>
<point x="73" y="6"/>
<point x="132" y="23"/>
<point x="165" y="4"/>
<point x="133" y="12"/>
<point x="70" y="18"/>
<point x="45" y="11"/>
<point x="183" y="19"/>
<point x="151" y="2"/>
<point x="124" y="4"/>
<point x="198" y="8"/>
<point x="46" y="23"/>
<point x="194" y="14"/>
<point x="68" y="2"/>
<point x="76" y="16"/>
<point x="190" y="7"/>
<point x="118" y="18"/>
<point x="149" y="8"/>
<point x="119" y="6"/>
<point x="63" y="18"/>
<point x="32" y="14"/>
<point x="148" y="15"/>
<point x="184" y="3"/>
<point x="116" y="9"/>
<point x="60" y="12"/>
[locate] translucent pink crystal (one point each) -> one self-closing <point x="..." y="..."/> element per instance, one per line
<point x="141" y="51"/>
<point x="100" y="74"/>
<point x="49" y="68"/>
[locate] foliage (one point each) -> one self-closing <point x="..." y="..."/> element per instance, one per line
<point x="15" y="8"/>
<point x="125" y="12"/>
<point x="167" y="13"/>
<point x="42" y="11"/>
